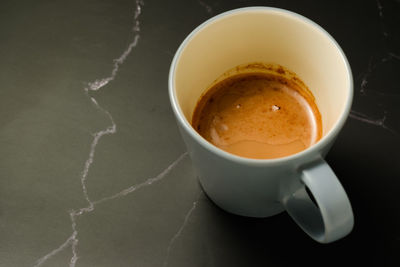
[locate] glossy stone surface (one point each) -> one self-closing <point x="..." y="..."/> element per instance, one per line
<point x="93" y="171"/>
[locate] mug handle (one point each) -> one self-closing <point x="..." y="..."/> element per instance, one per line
<point x="331" y="218"/>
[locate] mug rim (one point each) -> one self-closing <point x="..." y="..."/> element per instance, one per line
<point x="326" y="139"/>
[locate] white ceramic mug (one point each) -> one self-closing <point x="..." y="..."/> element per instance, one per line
<point x="265" y="187"/>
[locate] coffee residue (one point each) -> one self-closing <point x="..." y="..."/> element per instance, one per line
<point x="258" y="115"/>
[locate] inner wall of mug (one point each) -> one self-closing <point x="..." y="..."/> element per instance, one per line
<point x="269" y="36"/>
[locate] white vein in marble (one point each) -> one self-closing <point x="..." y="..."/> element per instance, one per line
<point x="389" y="55"/>
<point x="206" y="6"/>
<point x="381" y="122"/>
<point x="180" y="230"/>
<point x="97" y="84"/>
<point x="148" y="182"/>
<point x="381" y="16"/>
<point x="72" y="241"/>
<point x="373" y="65"/>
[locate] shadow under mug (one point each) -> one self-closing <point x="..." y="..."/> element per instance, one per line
<point x="265" y="187"/>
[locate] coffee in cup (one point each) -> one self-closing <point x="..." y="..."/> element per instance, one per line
<point x="260" y="111"/>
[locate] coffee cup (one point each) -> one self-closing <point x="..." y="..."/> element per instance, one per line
<point x="265" y="187"/>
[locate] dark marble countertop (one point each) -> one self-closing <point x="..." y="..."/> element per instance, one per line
<point x="93" y="171"/>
